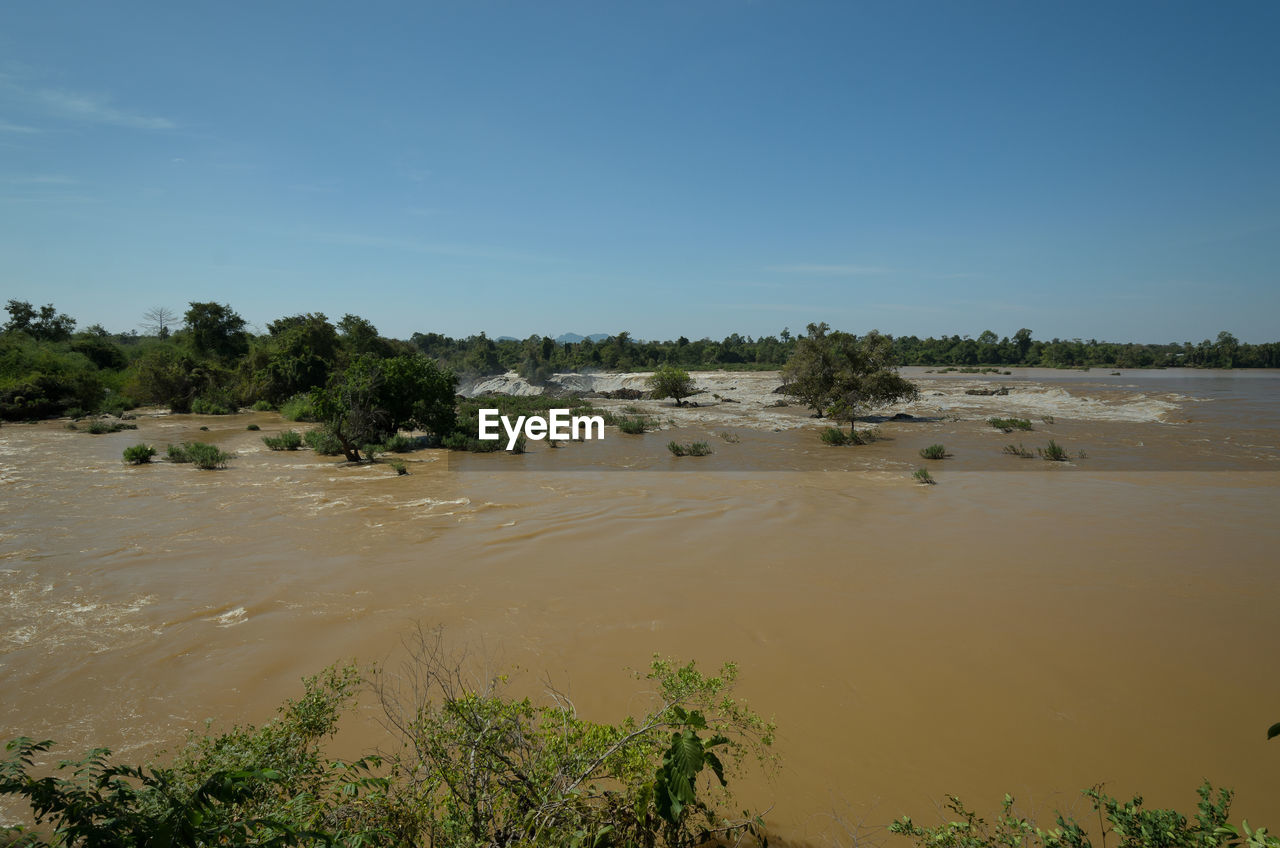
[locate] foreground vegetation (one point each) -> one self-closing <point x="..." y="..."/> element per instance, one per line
<point x="469" y="764"/>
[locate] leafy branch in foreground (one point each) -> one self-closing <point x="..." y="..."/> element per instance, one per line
<point x="1134" y="826"/>
<point x="482" y="768"/>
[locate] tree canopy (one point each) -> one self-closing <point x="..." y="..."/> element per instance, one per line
<point x="372" y="398"/>
<point x="842" y="375"/>
<point x="669" y="381"/>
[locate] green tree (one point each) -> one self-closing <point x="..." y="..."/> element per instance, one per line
<point x="372" y="398"/>
<point x="669" y="381"/>
<point x="303" y="350"/>
<point x="842" y="375"/>
<point x="46" y="324"/>
<point x="216" y="330"/>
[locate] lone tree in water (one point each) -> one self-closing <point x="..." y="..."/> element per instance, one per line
<point x="841" y="375"/>
<point x="671" y="382"/>
<point x="372" y="398"/>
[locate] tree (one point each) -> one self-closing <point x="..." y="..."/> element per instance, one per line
<point x="302" y="352"/>
<point x="842" y="375"/>
<point x="157" y="319"/>
<point x="46" y="325"/>
<point x="361" y="336"/>
<point x="216" y="330"/>
<point x="671" y="382"/>
<point x="372" y="398"/>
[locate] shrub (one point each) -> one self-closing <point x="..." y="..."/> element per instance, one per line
<point x="1008" y="425"/>
<point x="934" y="452"/>
<point x="731" y="438"/>
<point x="1018" y="450"/>
<point x="922" y="475"/>
<point x="692" y="449"/>
<point x="289" y="440"/>
<point x="1134" y="826"/>
<point x="139" y="454"/>
<point x="253" y="427"/>
<point x="399" y="467"/>
<point x="834" y="436"/>
<point x="322" y="442"/>
<point x="262" y="406"/>
<point x="200" y="454"/>
<point x="400" y="443"/>
<point x="1048" y="419"/>
<point x="298" y="408"/>
<point x="99" y="426"/>
<point x="635" y="425"/>
<point x="464" y="442"/>
<point x="212" y="406"/>
<point x="1054" y="452"/>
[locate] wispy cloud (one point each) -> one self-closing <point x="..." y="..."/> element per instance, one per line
<point x="7" y="127"/>
<point x="832" y="270"/>
<point x="98" y="110"/>
<point x="77" y="106"/>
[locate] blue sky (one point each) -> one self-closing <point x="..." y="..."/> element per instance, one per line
<point x="1095" y="170"/>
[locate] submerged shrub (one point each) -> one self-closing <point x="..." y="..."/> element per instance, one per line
<point x="834" y="436"/>
<point x="635" y="425"/>
<point x="731" y="438"/>
<point x="289" y="440"/>
<point x="922" y="475"/>
<point x="254" y="427"/>
<point x="934" y="452"/>
<point x="691" y="449"/>
<point x="98" y="426"/>
<point x="323" y="442"/>
<point x="1008" y="425"/>
<point x="200" y="454"/>
<point x="1054" y="452"/>
<point x="399" y="467"/>
<point x="1018" y="450"/>
<point x="400" y="443"/>
<point x="139" y="454"/>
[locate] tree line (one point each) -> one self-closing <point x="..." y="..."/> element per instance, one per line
<point x="206" y="360"/>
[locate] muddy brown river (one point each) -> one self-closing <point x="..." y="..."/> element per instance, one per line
<point x="1022" y="626"/>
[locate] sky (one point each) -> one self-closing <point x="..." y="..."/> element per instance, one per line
<point x="1086" y="170"/>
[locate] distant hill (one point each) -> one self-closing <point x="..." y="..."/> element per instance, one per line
<point x="571" y="338"/>
<point x="574" y="338"/>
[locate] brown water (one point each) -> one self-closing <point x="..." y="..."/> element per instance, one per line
<point x="1022" y="626"/>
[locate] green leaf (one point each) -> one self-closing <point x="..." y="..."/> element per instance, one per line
<point x="1273" y="731"/>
